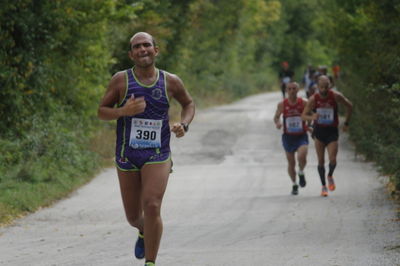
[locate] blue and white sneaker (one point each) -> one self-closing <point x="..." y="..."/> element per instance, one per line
<point x="139" y="247"/>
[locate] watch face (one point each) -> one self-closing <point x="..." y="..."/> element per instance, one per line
<point x="185" y="127"/>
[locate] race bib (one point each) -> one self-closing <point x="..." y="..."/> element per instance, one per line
<point x="294" y="124"/>
<point x="325" y="116"/>
<point x="145" y="133"/>
<point x="286" y="80"/>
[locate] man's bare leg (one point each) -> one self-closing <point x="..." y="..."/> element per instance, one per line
<point x="154" y="183"/>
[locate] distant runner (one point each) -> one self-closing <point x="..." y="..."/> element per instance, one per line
<point x="322" y="108"/>
<point x="285" y="76"/>
<point x="139" y="99"/>
<point x="294" y="137"/>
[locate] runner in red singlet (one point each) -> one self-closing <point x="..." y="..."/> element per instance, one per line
<point x="322" y="108"/>
<point x="294" y="137"/>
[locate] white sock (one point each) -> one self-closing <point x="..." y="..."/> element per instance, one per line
<point x="301" y="172"/>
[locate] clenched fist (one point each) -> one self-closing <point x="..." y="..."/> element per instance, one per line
<point x="178" y="129"/>
<point x="133" y="106"/>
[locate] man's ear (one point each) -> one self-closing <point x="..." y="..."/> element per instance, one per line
<point x="130" y="54"/>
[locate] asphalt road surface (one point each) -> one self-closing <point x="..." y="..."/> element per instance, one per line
<point x="227" y="203"/>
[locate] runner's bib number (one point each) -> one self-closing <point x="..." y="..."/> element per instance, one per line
<point x="325" y="116"/>
<point x="145" y="133"/>
<point x="286" y="80"/>
<point x="294" y="124"/>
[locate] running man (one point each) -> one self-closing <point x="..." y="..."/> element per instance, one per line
<point x="138" y="98"/>
<point x="294" y="137"/>
<point x="285" y="76"/>
<point x="322" y="108"/>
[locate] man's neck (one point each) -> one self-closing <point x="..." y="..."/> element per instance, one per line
<point x="292" y="100"/>
<point x="146" y="74"/>
<point x="324" y="95"/>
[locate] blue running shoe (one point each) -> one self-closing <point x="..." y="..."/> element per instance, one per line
<point x="139" y="247"/>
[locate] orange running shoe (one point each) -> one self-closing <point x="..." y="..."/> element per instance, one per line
<point x="331" y="183"/>
<point x="324" y="192"/>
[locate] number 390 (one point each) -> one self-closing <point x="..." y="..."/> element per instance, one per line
<point x="146" y="135"/>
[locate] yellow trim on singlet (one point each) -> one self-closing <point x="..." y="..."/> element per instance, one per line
<point x="123" y="118"/>
<point x="123" y="138"/>
<point x="165" y="86"/>
<point x="126" y="89"/>
<point x="143" y="85"/>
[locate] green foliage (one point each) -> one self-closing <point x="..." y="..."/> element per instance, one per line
<point x="299" y="36"/>
<point x="367" y="37"/>
<point x="54" y="60"/>
<point x="225" y="54"/>
<point x="45" y="163"/>
<point x="53" y="55"/>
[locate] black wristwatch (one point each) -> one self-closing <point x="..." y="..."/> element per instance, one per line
<point x="185" y="127"/>
<point x="346" y="124"/>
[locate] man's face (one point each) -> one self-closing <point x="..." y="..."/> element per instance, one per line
<point x="292" y="90"/>
<point x="323" y="85"/>
<point x="143" y="52"/>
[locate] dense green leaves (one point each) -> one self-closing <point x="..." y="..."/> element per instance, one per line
<point x="366" y="38"/>
<point x="52" y="54"/>
<point x="54" y="64"/>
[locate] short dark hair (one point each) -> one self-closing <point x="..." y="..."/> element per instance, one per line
<point x="153" y="41"/>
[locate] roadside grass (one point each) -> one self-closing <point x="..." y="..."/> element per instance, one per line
<point x="50" y="170"/>
<point x="21" y="198"/>
<point x="103" y="143"/>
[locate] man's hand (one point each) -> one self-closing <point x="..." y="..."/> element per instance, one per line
<point x="315" y="116"/>
<point x="133" y="106"/>
<point x="178" y="129"/>
<point x="278" y="125"/>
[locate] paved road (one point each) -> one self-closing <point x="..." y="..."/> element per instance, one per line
<point x="228" y="203"/>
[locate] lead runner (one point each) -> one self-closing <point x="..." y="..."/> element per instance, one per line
<point x="139" y="99"/>
<point x="322" y="109"/>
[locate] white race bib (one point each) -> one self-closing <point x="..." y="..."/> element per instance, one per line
<point x="286" y="80"/>
<point x="294" y="124"/>
<point x="145" y="133"/>
<point x="325" y="116"/>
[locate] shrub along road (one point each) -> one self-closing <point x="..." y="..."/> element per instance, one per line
<point x="228" y="202"/>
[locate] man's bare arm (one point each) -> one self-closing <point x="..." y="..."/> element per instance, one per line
<point x="107" y="111"/>
<point x="348" y="105"/>
<point x="177" y="90"/>
<point x="278" y="112"/>
<point x="349" y="109"/>
<point x="307" y="114"/>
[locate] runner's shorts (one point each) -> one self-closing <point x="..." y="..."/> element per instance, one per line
<point x="134" y="159"/>
<point x="292" y="142"/>
<point x="326" y="134"/>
